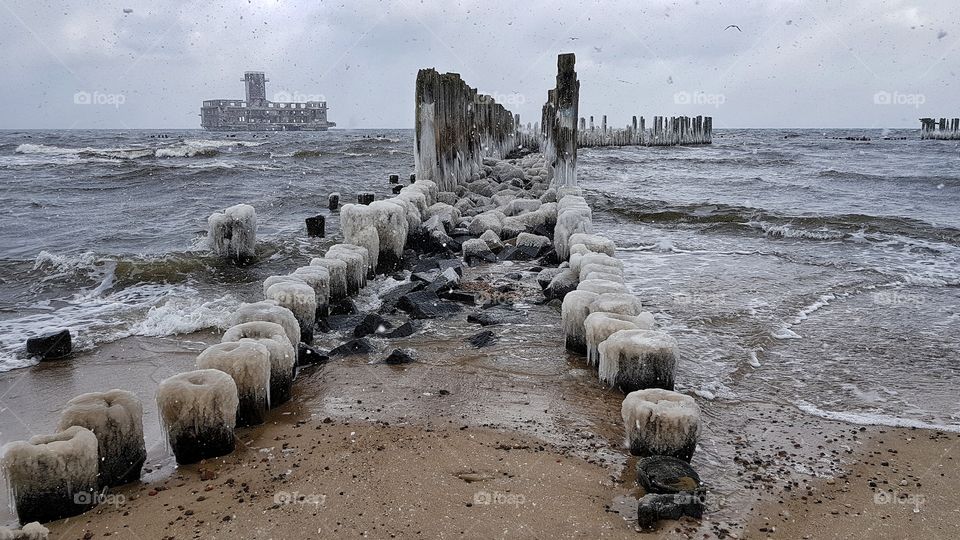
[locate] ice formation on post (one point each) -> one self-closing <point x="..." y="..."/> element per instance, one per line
<point x="622" y="303"/>
<point x="359" y="224"/>
<point x="247" y="361"/>
<point x="357" y="261"/>
<point x="269" y="311"/>
<point x="576" y="307"/>
<point x="233" y="232"/>
<point x="598" y="326"/>
<point x="594" y="242"/>
<point x="51" y="477"/>
<point x="283" y="356"/>
<point x="661" y="423"/>
<point x="602" y="286"/>
<point x="573" y="216"/>
<point x="116" y="418"/>
<point x="338" y="276"/>
<point x="299" y="298"/>
<point x="638" y="359"/>
<point x="390" y="221"/>
<point x="318" y="278"/>
<point x="198" y="411"/>
<point x="273" y="280"/>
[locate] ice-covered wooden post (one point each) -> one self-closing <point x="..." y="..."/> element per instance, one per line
<point x="567" y="99"/>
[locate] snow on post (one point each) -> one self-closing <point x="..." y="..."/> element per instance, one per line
<point x="198" y="411"/>
<point x="51" y="477"/>
<point x="233" y="233"/>
<point x="116" y="418"/>
<point x="660" y="422"/>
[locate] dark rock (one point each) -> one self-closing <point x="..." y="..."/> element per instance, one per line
<point x="307" y="355"/>
<point x="396" y="189"/>
<point x="394" y="178"/>
<point x="372" y="323"/>
<point x="354" y="346"/>
<point x="426" y="305"/>
<point x="448" y="280"/>
<point x="344" y="306"/>
<point x="483" y="339"/>
<point x="399" y="356"/>
<point x="654" y="507"/>
<point x="404" y="330"/>
<point x="516" y="276"/>
<point x="426" y="277"/>
<point x="543" y="230"/>
<point x="426" y="265"/>
<point x="50" y="346"/>
<point x="459" y="296"/>
<point x="339" y="323"/>
<point x="391" y="297"/>
<point x="666" y="474"/>
<point x="456" y="264"/>
<point x="316" y="226"/>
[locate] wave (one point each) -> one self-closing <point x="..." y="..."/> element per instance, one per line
<point x="850" y="227"/>
<point x="872" y="419"/>
<point x="93" y="319"/>
<point x="179" y="149"/>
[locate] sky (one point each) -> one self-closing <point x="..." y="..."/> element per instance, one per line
<point x="787" y="63"/>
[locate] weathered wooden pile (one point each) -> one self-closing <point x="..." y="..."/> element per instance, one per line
<point x="947" y="129"/>
<point x="456" y="127"/>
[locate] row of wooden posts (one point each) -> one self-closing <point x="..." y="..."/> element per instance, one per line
<point x="945" y="129"/>
<point x="665" y="131"/>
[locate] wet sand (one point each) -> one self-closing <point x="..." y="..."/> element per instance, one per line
<point x="521" y="424"/>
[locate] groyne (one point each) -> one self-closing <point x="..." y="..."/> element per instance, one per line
<point x="946" y="129"/>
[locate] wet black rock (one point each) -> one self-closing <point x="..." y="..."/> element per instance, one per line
<point x="390" y="298"/>
<point x="372" y="323"/>
<point x="654" y="507"/>
<point x="483" y="339"/>
<point x="459" y="296"/>
<point x="50" y="346"/>
<point x="307" y="355"/>
<point x="354" y="346"/>
<point x="342" y="307"/>
<point x="496" y="314"/>
<point x="404" y="330"/>
<point x="400" y="356"/>
<point x="666" y="474"/>
<point x="426" y="305"/>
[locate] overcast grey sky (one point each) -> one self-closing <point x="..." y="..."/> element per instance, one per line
<point x="802" y="63"/>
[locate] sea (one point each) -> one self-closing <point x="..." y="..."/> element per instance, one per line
<point x="812" y="269"/>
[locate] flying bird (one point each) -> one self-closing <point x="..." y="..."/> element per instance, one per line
<point x="733" y="26"/>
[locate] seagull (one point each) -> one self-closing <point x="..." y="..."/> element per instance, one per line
<point x="733" y="26"/>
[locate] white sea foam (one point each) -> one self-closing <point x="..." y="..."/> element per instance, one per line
<point x="788" y="231"/>
<point x="140" y="310"/>
<point x="872" y="419"/>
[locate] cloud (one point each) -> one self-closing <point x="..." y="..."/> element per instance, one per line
<point x="821" y="69"/>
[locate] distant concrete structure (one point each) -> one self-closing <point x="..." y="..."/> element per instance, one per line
<point x="256" y="113"/>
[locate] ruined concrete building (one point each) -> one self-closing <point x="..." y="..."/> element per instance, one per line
<point x="255" y="113"/>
